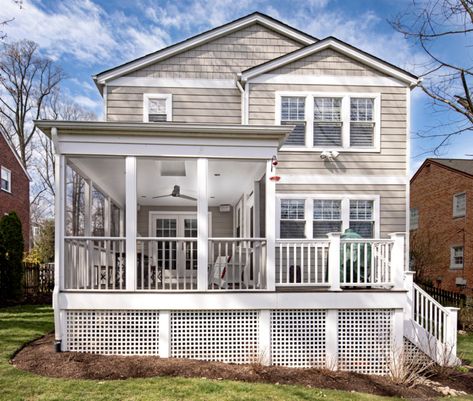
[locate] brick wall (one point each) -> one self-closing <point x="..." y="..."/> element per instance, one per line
<point x="19" y="198"/>
<point x="432" y="194"/>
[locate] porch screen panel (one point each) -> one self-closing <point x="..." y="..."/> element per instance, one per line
<point x="361" y="122"/>
<point x="327" y="121"/>
<point x="327" y="217"/>
<point x="292" y="222"/>
<point x="293" y="113"/>
<point x="361" y="217"/>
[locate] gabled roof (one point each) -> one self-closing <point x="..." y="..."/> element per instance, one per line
<point x="7" y="141"/>
<point x="204" y="37"/>
<point x="338" y="45"/>
<point x="462" y="166"/>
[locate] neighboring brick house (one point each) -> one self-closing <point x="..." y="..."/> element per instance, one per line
<point x="441" y="223"/>
<point x="15" y="187"/>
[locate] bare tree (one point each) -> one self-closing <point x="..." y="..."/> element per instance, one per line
<point x="4" y="21"/>
<point x="26" y="81"/>
<point x="434" y="26"/>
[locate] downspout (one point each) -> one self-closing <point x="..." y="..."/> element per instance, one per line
<point x="244" y="100"/>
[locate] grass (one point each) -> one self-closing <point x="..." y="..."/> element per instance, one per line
<point x="21" y="324"/>
<point x="465" y="347"/>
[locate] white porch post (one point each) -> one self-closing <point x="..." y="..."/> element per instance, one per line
<point x="450" y="351"/>
<point x="59" y="205"/>
<point x="409" y="286"/>
<point x="398" y="334"/>
<point x="397" y="260"/>
<point x="202" y="224"/>
<point x="131" y="210"/>
<point x="270" y="229"/>
<point x="88" y="230"/>
<point x="265" y="337"/>
<point x="164" y="334"/>
<point x="334" y="261"/>
<point x="331" y="339"/>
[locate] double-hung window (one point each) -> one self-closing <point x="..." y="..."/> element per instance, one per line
<point x="361" y="122"/>
<point x="459" y="205"/>
<point x="5" y="181"/>
<point x="362" y="217"/>
<point x="292" y="219"/>
<point x="414" y="219"/>
<point x="157" y="108"/>
<point x="327" y="121"/>
<point x="327" y="217"/>
<point x="456" y="257"/>
<point x="293" y="113"/>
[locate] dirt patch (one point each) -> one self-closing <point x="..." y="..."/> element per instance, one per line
<point x="38" y="357"/>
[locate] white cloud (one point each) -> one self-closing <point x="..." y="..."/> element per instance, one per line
<point x="83" y="30"/>
<point x="87" y="102"/>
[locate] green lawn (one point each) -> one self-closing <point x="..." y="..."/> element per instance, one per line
<point x="20" y="324"/>
<point x="465" y="347"/>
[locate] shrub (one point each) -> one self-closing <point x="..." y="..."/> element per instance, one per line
<point x="11" y="255"/>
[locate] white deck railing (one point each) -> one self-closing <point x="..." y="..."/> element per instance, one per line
<point x="94" y="263"/>
<point x="237" y="263"/>
<point x="302" y="262"/>
<point x="166" y="263"/>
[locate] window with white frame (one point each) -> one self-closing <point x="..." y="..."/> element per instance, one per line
<point x="293" y="113"/>
<point x="361" y="122"/>
<point x="336" y="120"/>
<point x="459" y="205"/>
<point x="414" y="219"/>
<point x="292" y="218"/>
<point x="157" y="107"/>
<point x="5" y="179"/>
<point x="362" y="217"/>
<point x="327" y="121"/>
<point x="456" y="257"/>
<point x="327" y="217"/>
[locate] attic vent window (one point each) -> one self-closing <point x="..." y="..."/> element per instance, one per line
<point x="157" y="108"/>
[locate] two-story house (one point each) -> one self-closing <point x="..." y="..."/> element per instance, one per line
<point x="14" y="187"/>
<point x="441" y="223"/>
<point x="203" y="217"/>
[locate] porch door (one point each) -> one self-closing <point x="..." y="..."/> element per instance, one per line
<point x="177" y="255"/>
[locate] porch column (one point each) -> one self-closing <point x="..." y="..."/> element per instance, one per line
<point x="397" y="259"/>
<point x="202" y="224"/>
<point x="131" y="211"/>
<point x="270" y="229"/>
<point x="88" y="231"/>
<point x="59" y="205"/>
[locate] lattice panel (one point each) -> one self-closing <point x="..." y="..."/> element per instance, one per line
<point x="414" y="355"/>
<point x="113" y="332"/>
<point x="364" y="340"/>
<point x="227" y="336"/>
<point x="298" y="338"/>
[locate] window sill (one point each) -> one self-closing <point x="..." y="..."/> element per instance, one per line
<point x="458" y="216"/>
<point x="301" y="148"/>
<point x="455" y="268"/>
<point x="6" y="191"/>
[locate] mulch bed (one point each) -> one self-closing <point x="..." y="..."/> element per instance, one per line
<point x="38" y="357"/>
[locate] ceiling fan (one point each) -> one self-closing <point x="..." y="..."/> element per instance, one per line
<point x="176" y="193"/>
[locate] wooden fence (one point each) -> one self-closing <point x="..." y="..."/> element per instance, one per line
<point x="38" y="279"/>
<point x="444" y="297"/>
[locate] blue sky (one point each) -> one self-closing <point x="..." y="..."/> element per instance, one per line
<point x="88" y="36"/>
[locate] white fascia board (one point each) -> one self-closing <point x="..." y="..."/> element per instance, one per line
<point x="343" y="179"/>
<point x="173" y="82"/>
<point x="309" y="50"/>
<point x="188" y="44"/>
<point x="326" y="80"/>
<point x="175" y="300"/>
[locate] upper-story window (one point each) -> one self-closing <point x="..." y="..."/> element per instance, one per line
<point x="459" y="205"/>
<point x="456" y="257"/>
<point x="5" y="181"/>
<point x="292" y="222"/>
<point x="331" y="121"/>
<point x="293" y="113"/>
<point x="157" y="107"/>
<point x="414" y="219"/>
<point x="327" y="121"/>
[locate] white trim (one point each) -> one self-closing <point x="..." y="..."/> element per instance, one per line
<point x="408" y="168"/>
<point x="334" y="44"/>
<point x="345" y="117"/>
<point x="337" y="80"/>
<point x="105" y="101"/>
<point x="8" y="171"/>
<point x="345" y="198"/>
<point x="150" y="82"/>
<point x="202" y="224"/>
<point x="453" y="265"/>
<point x="343" y="179"/>
<point x="203" y="38"/>
<point x="131" y="220"/>
<point x="165" y="96"/>
<point x="176" y="300"/>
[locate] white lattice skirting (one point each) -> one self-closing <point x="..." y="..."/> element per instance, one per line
<point x="296" y="338"/>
